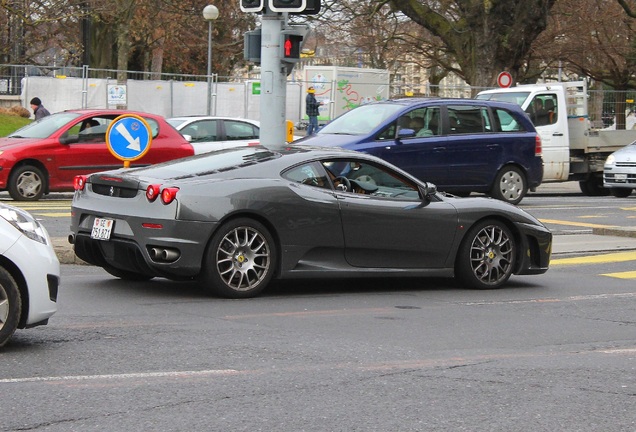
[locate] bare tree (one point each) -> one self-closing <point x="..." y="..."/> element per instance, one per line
<point x="484" y="37"/>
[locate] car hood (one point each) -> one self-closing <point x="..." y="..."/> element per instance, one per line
<point x="627" y="153"/>
<point x="9" y="143"/>
<point x="331" y="140"/>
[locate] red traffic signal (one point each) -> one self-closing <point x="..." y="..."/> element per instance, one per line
<point x="291" y="44"/>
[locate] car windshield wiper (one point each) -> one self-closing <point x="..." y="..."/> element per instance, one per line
<point x="15" y="136"/>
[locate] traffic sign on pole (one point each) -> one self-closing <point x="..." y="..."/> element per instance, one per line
<point x="128" y="138"/>
<point x="504" y="79"/>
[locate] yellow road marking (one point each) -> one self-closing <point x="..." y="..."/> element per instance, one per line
<point x="580" y="224"/>
<point x="66" y="214"/>
<point x="622" y="275"/>
<point x="596" y="259"/>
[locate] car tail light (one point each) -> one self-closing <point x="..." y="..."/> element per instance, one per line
<point x="152" y="192"/>
<point x="79" y="182"/>
<point x="254" y="144"/>
<point x="538" y="150"/>
<point x="169" y="194"/>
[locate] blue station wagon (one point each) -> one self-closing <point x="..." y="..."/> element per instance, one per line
<point x="461" y="145"/>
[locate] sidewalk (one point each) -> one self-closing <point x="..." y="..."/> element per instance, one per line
<point x="601" y="240"/>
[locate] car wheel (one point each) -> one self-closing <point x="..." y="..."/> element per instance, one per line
<point x="127" y="275"/>
<point x="486" y="257"/>
<point x="593" y="186"/>
<point x="240" y="260"/>
<point x="26" y="183"/>
<point x="621" y="192"/>
<point x="510" y="185"/>
<point x="10" y="306"/>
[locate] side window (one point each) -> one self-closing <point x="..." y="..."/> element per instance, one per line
<point x="507" y="122"/>
<point x="90" y="130"/>
<point x="364" y="178"/>
<point x="202" y="131"/>
<point x="543" y="110"/>
<point x="237" y="130"/>
<point x="309" y="174"/>
<point x="465" y="119"/>
<point x="485" y="117"/>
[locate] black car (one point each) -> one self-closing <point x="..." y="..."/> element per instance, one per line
<point x="236" y="218"/>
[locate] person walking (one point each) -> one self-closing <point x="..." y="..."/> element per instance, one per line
<point x="311" y="107"/>
<point x="38" y="109"/>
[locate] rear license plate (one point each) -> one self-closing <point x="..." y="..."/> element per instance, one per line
<point x="102" y="229"/>
<point x="620" y="177"/>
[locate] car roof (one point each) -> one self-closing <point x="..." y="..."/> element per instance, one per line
<point x="407" y="102"/>
<point x="96" y="112"/>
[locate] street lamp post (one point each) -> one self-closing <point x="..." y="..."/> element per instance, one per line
<point x="210" y="13"/>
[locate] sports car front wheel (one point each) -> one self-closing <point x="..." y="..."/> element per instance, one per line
<point x="240" y="259"/>
<point x="487" y="256"/>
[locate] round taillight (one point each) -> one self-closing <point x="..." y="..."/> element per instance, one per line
<point x="79" y="182"/>
<point x="169" y="194"/>
<point x="152" y="192"/>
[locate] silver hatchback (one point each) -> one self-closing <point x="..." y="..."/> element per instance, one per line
<point x="619" y="172"/>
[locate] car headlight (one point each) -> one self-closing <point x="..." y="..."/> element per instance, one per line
<point x="611" y="160"/>
<point x="24" y="222"/>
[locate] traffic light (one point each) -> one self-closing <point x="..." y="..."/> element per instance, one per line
<point x="312" y="8"/>
<point x="291" y="42"/>
<point x="252" y="46"/>
<point x="287" y="5"/>
<point x="252" y="5"/>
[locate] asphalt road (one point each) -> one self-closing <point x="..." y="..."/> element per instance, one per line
<point x="547" y="352"/>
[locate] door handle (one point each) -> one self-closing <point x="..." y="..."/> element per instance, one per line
<point x="557" y="134"/>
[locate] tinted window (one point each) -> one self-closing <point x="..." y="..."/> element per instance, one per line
<point x="465" y="119"/>
<point x="237" y="130"/>
<point x="308" y="174"/>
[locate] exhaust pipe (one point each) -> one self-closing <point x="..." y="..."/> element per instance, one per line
<point x="71" y="239"/>
<point x="159" y="254"/>
<point x="170" y="255"/>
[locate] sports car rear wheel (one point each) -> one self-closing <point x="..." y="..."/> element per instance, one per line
<point x="487" y="256"/>
<point x="10" y="306"/>
<point x="240" y="260"/>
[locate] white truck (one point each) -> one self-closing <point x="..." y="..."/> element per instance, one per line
<point x="572" y="151"/>
<point x="341" y="89"/>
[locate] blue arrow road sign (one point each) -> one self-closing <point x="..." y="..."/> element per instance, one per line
<point x="128" y="137"/>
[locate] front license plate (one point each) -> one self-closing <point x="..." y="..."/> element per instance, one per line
<point x="620" y="177"/>
<point x="102" y="229"/>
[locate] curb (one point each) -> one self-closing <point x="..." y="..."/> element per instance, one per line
<point x="616" y="232"/>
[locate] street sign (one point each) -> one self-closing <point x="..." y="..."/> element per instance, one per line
<point x="504" y="79"/>
<point x="128" y="138"/>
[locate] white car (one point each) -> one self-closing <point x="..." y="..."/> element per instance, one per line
<point x="619" y="171"/>
<point x="207" y="134"/>
<point x="29" y="272"/>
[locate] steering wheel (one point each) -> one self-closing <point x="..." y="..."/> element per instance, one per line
<point x="343" y="181"/>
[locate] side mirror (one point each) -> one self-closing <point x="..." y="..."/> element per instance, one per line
<point x="406" y="133"/>
<point x="69" y="139"/>
<point x="429" y="190"/>
<point x="188" y="138"/>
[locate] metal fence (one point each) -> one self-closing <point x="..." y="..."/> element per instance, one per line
<point x="231" y="95"/>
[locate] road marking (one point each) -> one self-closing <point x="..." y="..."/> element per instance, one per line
<point x="579" y="224"/>
<point x="552" y="300"/>
<point x="596" y="259"/>
<point x="67" y="214"/>
<point x="173" y="374"/>
<point x="621" y="275"/>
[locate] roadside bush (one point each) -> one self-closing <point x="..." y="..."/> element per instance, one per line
<point x="16" y="110"/>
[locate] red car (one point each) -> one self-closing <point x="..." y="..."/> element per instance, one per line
<point x="46" y="155"/>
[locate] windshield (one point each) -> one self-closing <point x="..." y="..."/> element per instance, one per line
<point x="514" y="97"/>
<point x="362" y="120"/>
<point x="44" y="127"/>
